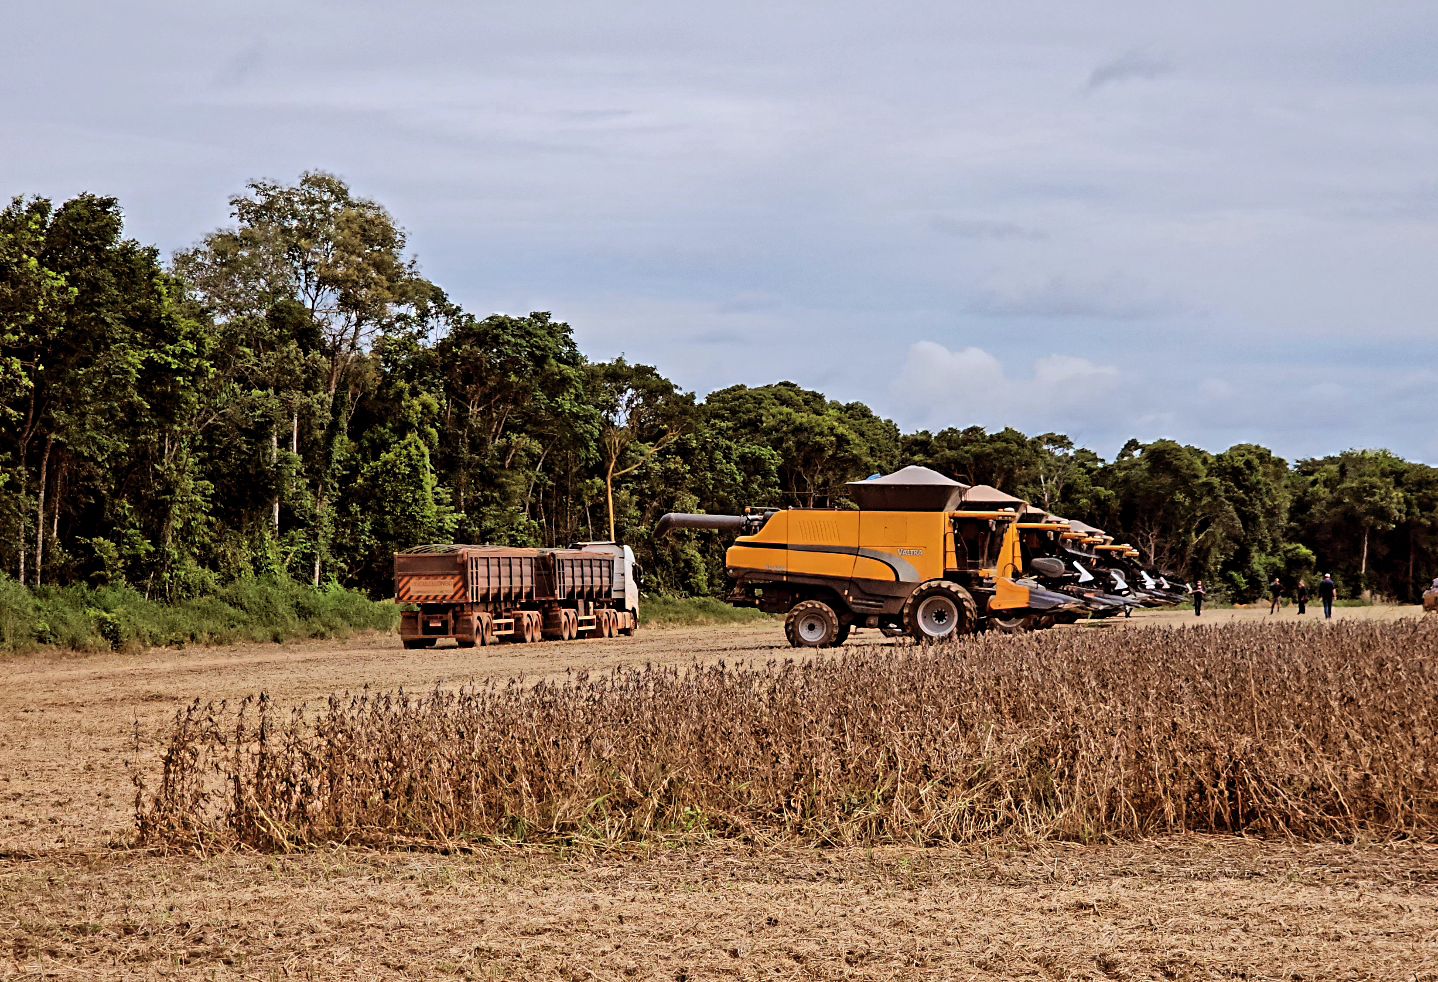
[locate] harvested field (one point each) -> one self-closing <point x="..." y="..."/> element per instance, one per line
<point x="1185" y="907"/>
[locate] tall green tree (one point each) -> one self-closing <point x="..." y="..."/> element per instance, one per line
<point x="110" y="355"/>
<point x="821" y="444"/>
<point x="308" y="272"/>
<point x="643" y="412"/>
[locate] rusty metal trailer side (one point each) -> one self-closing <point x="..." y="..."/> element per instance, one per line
<point x="482" y="594"/>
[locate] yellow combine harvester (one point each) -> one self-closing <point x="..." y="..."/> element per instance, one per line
<point x="912" y="560"/>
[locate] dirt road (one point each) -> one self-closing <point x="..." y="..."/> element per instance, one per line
<point x="72" y="904"/>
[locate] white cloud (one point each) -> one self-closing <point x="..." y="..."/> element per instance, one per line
<point x="938" y="387"/>
<point x="714" y="189"/>
<point x="1062" y="370"/>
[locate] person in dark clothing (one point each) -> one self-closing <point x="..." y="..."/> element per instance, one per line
<point x="1275" y="590"/>
<point x="1300" y="594"/>
<point x="1198" y="597"/>
<point x="1327" y="590"/>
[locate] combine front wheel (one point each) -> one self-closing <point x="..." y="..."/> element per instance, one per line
<point x="1007" y="623"/>
<point x="939" y="611"/>
<point x="812" y="624"/>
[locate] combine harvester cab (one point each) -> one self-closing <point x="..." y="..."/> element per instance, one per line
<point x="916" y="558"/>
<point x="479" y="595"/>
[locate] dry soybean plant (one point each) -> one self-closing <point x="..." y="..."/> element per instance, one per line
<point x="1317" y="732"/>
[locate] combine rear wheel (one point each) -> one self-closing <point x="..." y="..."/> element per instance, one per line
<point x="812" y="624"/>
<point x="940" y="611"/>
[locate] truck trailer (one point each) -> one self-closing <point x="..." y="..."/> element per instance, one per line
<point x="480" y="594"/>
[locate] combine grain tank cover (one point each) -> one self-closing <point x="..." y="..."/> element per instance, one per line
<point x="909" y="489"/>
<point x="981" y="497"/>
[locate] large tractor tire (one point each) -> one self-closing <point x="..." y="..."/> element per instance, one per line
<point x="940" y="611"/>
<point x="812" y="624"/>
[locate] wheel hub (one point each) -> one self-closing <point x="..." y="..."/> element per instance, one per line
<point x="938" y="617"/>
<point x="812" y="628"/>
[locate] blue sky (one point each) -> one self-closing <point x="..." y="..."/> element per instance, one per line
<point x="1218" y="224"/>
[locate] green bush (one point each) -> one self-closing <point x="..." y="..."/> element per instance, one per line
<point x="664" y="611"/>
<point x="119" y="618"/>
<point x="19" y="615"/>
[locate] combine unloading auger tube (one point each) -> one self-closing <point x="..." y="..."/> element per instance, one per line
<point x="680" y="520"/>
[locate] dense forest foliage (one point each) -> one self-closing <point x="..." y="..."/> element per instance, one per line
<point x="291" y="396"/>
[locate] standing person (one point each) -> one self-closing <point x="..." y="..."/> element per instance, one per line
<point x="1198" y="596"/>
<point x="1275" y="590"/>
<point x="1300" y="594"/>
<point x="1327" y="590"/>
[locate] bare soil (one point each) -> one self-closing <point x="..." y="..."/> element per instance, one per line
<point x="75" y="902"/>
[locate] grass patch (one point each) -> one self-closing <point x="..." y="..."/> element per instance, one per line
<point x="119" y="618"/>
<point x="661" y="611"/>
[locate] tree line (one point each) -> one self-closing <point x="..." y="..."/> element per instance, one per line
<point x="292" y="397"/>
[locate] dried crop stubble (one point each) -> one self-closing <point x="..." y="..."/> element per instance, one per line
<point x="1318" y="732"/>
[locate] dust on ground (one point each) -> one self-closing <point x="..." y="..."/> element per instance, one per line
<point x="73" y="902"/>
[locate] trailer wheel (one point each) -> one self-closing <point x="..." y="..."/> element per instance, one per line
<point x="812" y="624"/>
<point x="604" y="622"/>
<point x="485" y="634"/>
<point x="940" y="611"/>
<point x="413" y="643"/>
<point x="569" y="625"/>
<point x="536" y="625"/>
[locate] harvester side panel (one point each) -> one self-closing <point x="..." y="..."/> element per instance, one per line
<point x="822" y="544"/>
<point x="910" y="544"/>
